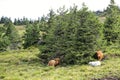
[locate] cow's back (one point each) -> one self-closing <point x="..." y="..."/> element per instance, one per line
<point x="51" y="63"/>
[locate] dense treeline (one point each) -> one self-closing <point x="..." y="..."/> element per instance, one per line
<point x="75" y="35"/>
<point x="22" y="21"/>
<point x="72" y="35"/>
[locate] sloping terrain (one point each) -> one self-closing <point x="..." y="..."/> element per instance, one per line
<point x="25" y="65"/>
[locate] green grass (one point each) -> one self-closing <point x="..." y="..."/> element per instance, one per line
<point x="1" y="24"/>
<point x="25" y="65"/>
<point x="102" y="19"/>
<point x="21" y="29"/>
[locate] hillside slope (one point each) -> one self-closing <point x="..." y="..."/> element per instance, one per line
<point x="25" y="65"/>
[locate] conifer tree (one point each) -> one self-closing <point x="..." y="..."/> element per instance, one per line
<point x="72" y="21"/>
<point x="55" y="39"/>
<point x="43" y="24"/>
<point x="12" y="34"/>
<point x="32" y="35"/>
<point x="4" y="41"/>
<point x="87" y="36"/>
<point x="75" y="37"/>
<point x="112" y="24"/>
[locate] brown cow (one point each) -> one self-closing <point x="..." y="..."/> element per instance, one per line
<point x="54" y="62"/>
<point x="99" y="55"/>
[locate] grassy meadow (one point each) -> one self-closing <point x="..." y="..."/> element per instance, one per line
<point x="25" y="65"/>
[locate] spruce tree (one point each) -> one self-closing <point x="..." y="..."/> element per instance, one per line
<point x="12" y="34"/>
<point x="4" y="40"/>
<point x="43" y="24"/>
<point x="88" y="37"/>
<point x="32" y="35"/>
<point x="76" y="36"/>
<point x="112" y="24"/>
<point x="72" y="21"/>
<point x="55" y="39"/>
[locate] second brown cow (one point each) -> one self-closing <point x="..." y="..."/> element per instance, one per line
<point x="54" y="62"/>
<point x="99" y="55"/>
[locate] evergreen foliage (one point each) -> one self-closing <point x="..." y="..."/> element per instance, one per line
<point x="12" y="35"/>
<point x="72" y="35"/>
<point x="4" y="41"/>
<point x="112" y="24"/>
<point x="43" y="24"/>
<point x="88" y="36"/>
<point x="22" y="21"/>
<point x="75" y="37"/>
<point x="32" y="35"/>
<point x="4" y="20"/>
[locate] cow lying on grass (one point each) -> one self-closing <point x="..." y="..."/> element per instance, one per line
<point x="99" y="55"/>
<point x="54" y="62"/>
<point x="95" y="63"/>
